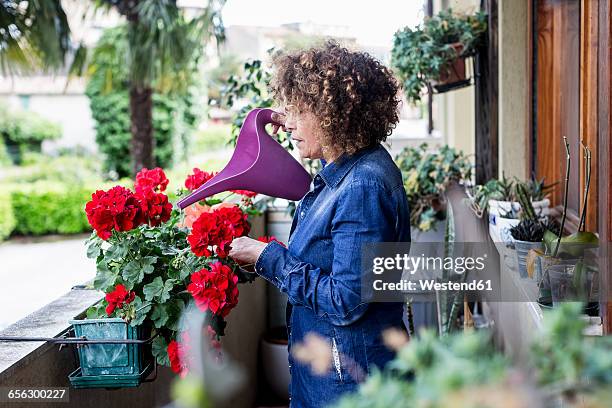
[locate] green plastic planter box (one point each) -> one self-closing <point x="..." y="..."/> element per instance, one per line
<point x="109" y="359"/>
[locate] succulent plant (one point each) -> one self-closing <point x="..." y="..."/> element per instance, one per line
<point x="528" y="230"/>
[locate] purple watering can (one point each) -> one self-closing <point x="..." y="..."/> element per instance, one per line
<point x="259" y="164"/>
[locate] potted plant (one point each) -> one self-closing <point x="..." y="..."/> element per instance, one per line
<point x="529" y="232"/>
<point x="573" y="249"/>
<point x="565" y="368"/>
<point x="426" y="176"/>
<point x="434" y="53"/>
<point x="499" y="198"/>
<point x="152" y="261"/>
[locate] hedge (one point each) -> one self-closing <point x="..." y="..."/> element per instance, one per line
<point x="7" y="216"/>
<point x="49" y="208"/>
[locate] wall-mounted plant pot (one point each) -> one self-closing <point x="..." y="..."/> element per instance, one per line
<point x="110" y="365"/>
<point x="454" y="75"/>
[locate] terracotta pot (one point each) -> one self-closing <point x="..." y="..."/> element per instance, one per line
<point x="454" y="71"/>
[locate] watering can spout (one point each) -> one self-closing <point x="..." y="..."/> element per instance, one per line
<point x="259" y="164"/>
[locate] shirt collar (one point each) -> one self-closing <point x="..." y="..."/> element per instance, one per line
<point x="335" y="171"/>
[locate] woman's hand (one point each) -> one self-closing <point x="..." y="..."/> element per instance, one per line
<point x="279" y="118"/>
<point x="245" y="250"/>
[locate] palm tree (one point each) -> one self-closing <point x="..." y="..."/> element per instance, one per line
<point x="32" y="34"/>
<point x="162" y="45"/>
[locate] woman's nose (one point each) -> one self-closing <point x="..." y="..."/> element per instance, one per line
<point x="290" y="124"/>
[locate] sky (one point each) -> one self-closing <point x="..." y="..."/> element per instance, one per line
<point x="371" y="22"/>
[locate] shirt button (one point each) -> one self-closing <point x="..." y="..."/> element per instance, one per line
<point x="302" y="214"/>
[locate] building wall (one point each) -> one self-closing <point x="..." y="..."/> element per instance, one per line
<point x="455" y="117"/>
<point x="70" y="111"/>
<point x="513" y="89"/>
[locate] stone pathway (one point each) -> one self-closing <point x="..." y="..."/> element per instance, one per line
<point x="34" y="273"/>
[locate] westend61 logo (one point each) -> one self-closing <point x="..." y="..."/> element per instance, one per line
<point x="393" y="271"/>
<point x="412" y="264"/>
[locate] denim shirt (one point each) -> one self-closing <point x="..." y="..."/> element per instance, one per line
<point x="354" y="200"/>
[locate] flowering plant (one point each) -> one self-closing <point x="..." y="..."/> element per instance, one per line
<point x="152" y="260"/>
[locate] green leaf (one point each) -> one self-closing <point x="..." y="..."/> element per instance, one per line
<point x="140" y="311"/>
<point x="575" y="244"/>
<point x="153" y="289"/>
<point x="159" y="348"/>
<point x="117" y="251"/>
<point x="159" y="315"/>
<point x="133" y="273"/>
<point x="549" y="239"/>
<point x="93" y="249"/>
<point x="581" y="237"/>
<point x="96" y="311"/>
<point x="175" y="310"/>
<point x="165" y="295"/>
<point x="158" y="289"/>
<point x="148" y="263"/>
<point x="105" y="278"/>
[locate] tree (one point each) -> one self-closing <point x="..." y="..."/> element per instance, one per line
<point x="33" y="34"/>
<point x="162" y="45"/>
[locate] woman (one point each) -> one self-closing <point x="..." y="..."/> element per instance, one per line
<point x="339" y="106"/>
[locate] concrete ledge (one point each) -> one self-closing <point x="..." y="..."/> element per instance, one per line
<point x="49" y="321"/>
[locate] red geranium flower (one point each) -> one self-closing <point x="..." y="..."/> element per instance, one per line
<point x="177" y="354"/>
<point x="235" y="220"/>
<point x="153" y="180"/>
<point x="215" y="289"/>
<point x="217" y="228"/>
<point x="117" y="298"/>
<point x="245" y="193"/>
<point x="156" y="207"/>
<point x="204" y="234"/>
<point x="199" y="177"/>
<point x="270" y="239"/>
<point x="214" y="338"/>
<point x="117" y="208"/>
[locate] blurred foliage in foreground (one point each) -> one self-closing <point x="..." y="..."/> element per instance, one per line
<point x="463" y="370"/>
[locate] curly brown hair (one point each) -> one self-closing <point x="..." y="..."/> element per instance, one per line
<point x="353" y="95"/>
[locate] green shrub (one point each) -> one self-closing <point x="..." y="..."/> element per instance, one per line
<point x="175" y="114"/>
<point x="426" y="174"/>
<point x="49" y="208"/>
<point x="67" y="169"/>
<point x="7" y="217"/>
<point x="23" y="131"/>
<point x="5" y="160"/>
<point x="214" y="137"/>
